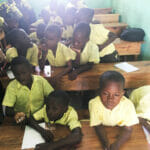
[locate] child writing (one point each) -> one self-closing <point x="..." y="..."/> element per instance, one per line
<point x="57" y="54"/>
<point x="100" y="36"/>
<point x="57" y="111"/>
<point x="24" y="95"/>
<point x="141" y="100"/>
<point x="86" y="52"/>
<point x="111" y="108"/>
<point x="21" y="46"/>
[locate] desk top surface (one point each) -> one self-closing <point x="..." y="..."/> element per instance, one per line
<point x="11" y="137"/>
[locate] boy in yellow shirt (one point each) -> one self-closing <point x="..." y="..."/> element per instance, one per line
<point x="86" y="52"/>
<point x="24" y="95"/>
<point x="100" y="36"/>
<point x="111" y="108"/>
<point x="21" y="46"/>
<point x="141" y="100"/>
<point x="57" y="111"/>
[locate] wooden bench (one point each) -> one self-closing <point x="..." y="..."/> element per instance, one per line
<point x="102" y="10"/>
<point x="116" y="27"/>
<point x="107" y="18"/>
<point x="126" y="48"/>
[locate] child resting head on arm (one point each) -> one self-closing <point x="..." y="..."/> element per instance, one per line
<point x="24" y="95"/>
<point x="57" y="111"/>
<point x="111" y="108"/>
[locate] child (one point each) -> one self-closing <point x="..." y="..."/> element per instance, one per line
<point x="57" y="111"/>
<point x="57" y="54"/>
<point x="100" y="36"/>
<point x="86" y="52"/>
<point x="141" y="100"/>
<point x="111" y="108"/>
<point x="21" y="46"/>
<point x="24" y="95"/>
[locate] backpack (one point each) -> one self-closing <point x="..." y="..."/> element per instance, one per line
<point x="133" y="34"/>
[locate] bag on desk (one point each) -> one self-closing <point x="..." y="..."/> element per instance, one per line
<point x="133" y="34"/>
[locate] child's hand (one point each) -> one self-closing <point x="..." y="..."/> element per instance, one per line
<point x="73" y="75"/>
<point x="114" y="146"/>
<point x="20" y="117"/>
<point x="75" y="49"/>
<point x="47" y="135"/>
<point x="42" y="146"/>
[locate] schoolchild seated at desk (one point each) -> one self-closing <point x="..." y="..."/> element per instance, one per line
<point x="24" y="95"/>
<point x="85" y="51"/>
<point x="21" y="46"/>
<point x="57" y="111"/>
<point x="100" y="36"/>
<point x="57" y="54"/>
<point x="111" y="108"/>
<point x="141" y="100"/>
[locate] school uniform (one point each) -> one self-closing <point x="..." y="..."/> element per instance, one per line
<point x="70" y="118"/>
<point x="31" y="56"/>
<point x="141" y="100"/>
<point x="67" y="32"/>
<point x="26" y="100"/>
<point x="1" y="21"/>
<point x="63" y="55"/>
<point x="34" y="38"/>
<point x="99" y="35"/>
<point x="38" y="22"/>
<point x="122" y="115"/>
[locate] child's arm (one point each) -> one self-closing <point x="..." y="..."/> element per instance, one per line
<point x="101" y="133"/>
<point x="122" y="138"/>
<point x="111" y="38"/>
<point x="46" y="134"/>
<point x="74" y="138"/>
<point x="73" y="75"/>
<point x="144" y="123"/>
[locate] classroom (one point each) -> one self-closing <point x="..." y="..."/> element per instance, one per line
<point x="74" y="75"/>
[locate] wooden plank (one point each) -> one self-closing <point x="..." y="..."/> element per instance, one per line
<point x="127" y="48"/>
<point x="90" y="80"/>
<point x="107" y="18"/>
<point x="116" y="28"/>
<point x="102" y="10"/>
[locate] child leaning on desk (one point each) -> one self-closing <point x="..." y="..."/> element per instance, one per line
<point x="141" y="100"/>
<point x="111" y="108"/>
<point x="25" y="94"/>
<point x="85" y="51"/>
<point x="57" y="111"/>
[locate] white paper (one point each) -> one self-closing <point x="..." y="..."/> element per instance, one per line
<point x="47" y="70"/>
<point x="126" y="67"/>
<point x="146" y="134"/>
<point x="10" y="74"/>
<point x="32" y="137"/>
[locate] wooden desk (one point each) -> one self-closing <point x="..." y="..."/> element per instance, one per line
<point x="11" y="138"/>
<point x="90" y="80"/>
<point x="107" y="18"/>
<point x="102" y="10"/>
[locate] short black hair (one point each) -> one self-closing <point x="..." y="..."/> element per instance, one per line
<point x="83" y="28"/>
<point x="109" y="76"/>
<point x="59" y="97"/>
<point x="53" y="29"/>
<point x="20" y="60"/>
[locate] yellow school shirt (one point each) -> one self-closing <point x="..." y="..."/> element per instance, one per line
<point x="25" y="100"/>
<point x="70" y="118"/>
<point x="67" y="32"/>
<point x="141" y="100"/>
<point x="33" y="37"/>
<point x="31" y="56"/>
<point x="99" y="35"/>
<point x="1" y="21"/>
<point x="63" y="55"/>
<point x="38" y="22"/>
<point x="122" y="115"/>
<point x="90" y="53"/>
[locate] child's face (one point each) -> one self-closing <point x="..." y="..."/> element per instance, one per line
<point x="79" y="40"/>
<point x="111" y="94"/>
<point x="23" y="74"/>
<point x="55" y="111"/>
<point x="52" y="40"/>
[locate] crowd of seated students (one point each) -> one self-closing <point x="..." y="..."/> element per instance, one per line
<point x="63" y="37"/>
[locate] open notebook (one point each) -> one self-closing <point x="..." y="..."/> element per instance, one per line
<point x="32" y="137"/>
